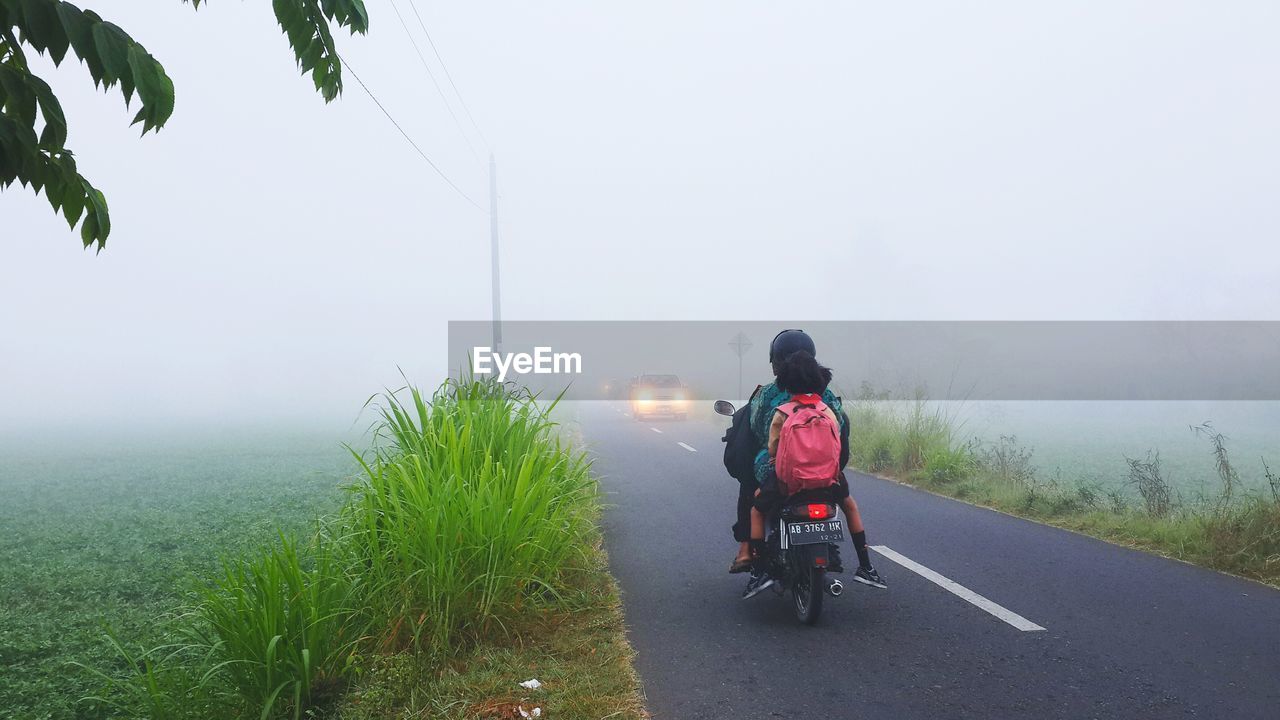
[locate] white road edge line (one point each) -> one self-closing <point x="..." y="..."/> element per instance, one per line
<point x="656" y="430"/>
<point x="686" y="447"/>
<point x="956" y="588"/>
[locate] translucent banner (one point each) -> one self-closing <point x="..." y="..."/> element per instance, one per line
<point x="704" y="360"/>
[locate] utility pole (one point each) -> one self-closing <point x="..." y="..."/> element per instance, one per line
<point x="493" y="250"/>
<point x="740" y="344"/>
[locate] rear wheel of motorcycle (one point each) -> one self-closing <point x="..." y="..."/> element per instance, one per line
<point x="808" y="593"/>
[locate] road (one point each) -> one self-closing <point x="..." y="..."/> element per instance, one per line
<point x="1125" y="634"/>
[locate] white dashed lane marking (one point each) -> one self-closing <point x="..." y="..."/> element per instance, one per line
<point x="956" y="588"/>
<point x="686" y="447"/>
<point x="656" y="430"/>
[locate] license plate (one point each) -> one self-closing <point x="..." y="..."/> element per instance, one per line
<point x="808" y="533"/>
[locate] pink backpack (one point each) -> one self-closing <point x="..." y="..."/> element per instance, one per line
<point x="809" y="446"/>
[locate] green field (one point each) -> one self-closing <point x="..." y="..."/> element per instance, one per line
<point x="102" y="534"/>
<point x="163" y="575"/>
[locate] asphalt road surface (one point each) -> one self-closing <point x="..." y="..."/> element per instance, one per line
<point x="1124" y="634"/>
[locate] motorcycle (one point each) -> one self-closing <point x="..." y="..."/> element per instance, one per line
<point x="801" y="540"/>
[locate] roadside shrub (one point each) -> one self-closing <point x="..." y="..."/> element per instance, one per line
<point x="1273" y="481"/>
<point x="948" y="464"/>
<point x="469" y="511"/>
<point x="1222" y="461"/>
<point x="1089" y="495"/>
<point x="169" y="682"/>
<point x="1146" y="477"/>
<point x="1116" y="502"/>
<point x="897" y="436"/>
<point x="925" y="432"/>
<point x="1008" y="461"/>
<point x="882" y="456"/>
<point x="284" y="626"/>
<point x="1245" y="538"/>
<point x="1064" y="502"/>
<point x="873" y="438"/>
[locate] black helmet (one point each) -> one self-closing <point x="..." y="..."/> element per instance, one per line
<point x="789" y="341"/>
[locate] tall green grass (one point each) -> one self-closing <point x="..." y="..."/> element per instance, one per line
<point x="468" y="512"/>
<point x="285" y="626"/>
<point x="892" y="435"/>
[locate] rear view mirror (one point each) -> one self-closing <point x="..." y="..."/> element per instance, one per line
<point x="724" y="407"/>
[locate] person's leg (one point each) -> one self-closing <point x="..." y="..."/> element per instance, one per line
<point x="761" y="504"/>
<point x="756" y="543"/>
<point x="760" y="579"/>
<point x="865" y="574"/>
<point x="742" y="528"/>
<point x="852" y="515"/>
<point x="856" y="531"/>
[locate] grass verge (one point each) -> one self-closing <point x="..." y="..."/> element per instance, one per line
<point x="581" y="657"/>
<point x="1233" y="531"/>
<point x="466" y="557"/>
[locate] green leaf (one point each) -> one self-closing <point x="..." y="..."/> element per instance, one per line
<point x="43" y="176"/>
<point x="54" y="134"/>
<point x="78" y="25"/>
<point x="18" y="99"/>
<point x="347" y="13"/>
<point x="304" y="23"/>
<point x="97" y="221"/>
<point x="73" y="200"/>
<point x="359" y="17"/>
<point x="9" y="149"/>
<point x="154" y="88"/>
<point x="112" y="45"/>
<point x="112" y="57"/>
<point x="89" y="230"/>
<point x="40" y="26"/>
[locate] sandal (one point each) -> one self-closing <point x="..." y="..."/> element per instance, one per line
<point x="740" y="565"/>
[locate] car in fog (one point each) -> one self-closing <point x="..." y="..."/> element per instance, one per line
<point x="654" y="395"/>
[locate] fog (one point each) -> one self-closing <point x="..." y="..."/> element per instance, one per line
<point x="276" y="259"/>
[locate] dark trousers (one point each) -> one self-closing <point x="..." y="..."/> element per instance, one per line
<point x="746" y="494"/>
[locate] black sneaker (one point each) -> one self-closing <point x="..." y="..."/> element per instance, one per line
<point x="759" y="582"/>
<point x="868" y="576"/>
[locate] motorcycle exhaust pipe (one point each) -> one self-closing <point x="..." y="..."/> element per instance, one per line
<point x="835" y="588"/>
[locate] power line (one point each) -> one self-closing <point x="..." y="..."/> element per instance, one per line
<point x="447" y="74"/>
<point x="406" y="136"/>
<point x="431" y="75"/>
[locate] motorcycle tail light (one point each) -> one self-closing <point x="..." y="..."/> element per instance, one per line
<point x="819" y="511"/>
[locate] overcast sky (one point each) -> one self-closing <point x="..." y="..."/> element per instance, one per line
<point x="273" y="257"/>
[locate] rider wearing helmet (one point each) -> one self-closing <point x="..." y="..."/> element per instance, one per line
<point x="789" y="349"/>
